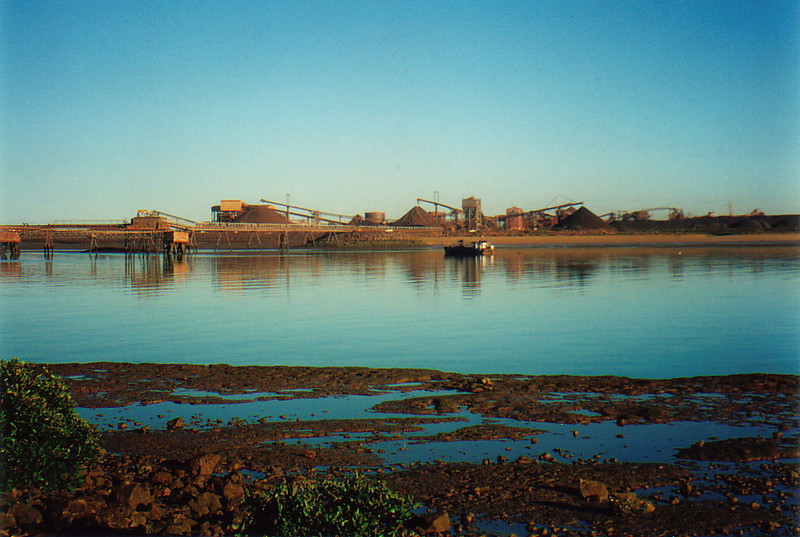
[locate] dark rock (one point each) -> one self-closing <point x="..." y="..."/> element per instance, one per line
<point x="25" y="514"/>
<point x="161" y="478"/>
<point x="627" y="504"/>
<point x="190" y="492"/>
<point x="207" y="503"/>
<point x="434" y="523"/>
<point x="205" y="464"/>
<point x="593" y="490"/>
<point x="175" y="424"/>
<point x="183" y="527"/>
<point x="118" y="517"/>
<point x="79" y="508"/>
<point x="132" y="495"/>
<point x="233" y="493"/>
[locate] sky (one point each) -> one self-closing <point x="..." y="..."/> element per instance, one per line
<point x="107" y="108"/>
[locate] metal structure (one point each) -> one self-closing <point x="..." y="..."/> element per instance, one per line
<point x="644" y="214"/>
<point x="158" y="231"/>
<point x="174" y="221"/>
<point x="454" y="211"/>
<point x="473" y="214"/>
<point x="540" y="216"/>
<point x="311" y="213"/>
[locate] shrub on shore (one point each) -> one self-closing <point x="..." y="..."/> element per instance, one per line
<point x="43" y="441"/>
<point x="354" y="505"/>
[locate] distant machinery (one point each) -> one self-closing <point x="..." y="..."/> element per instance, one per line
<point x="644" y="214"/>
<point x="515" y="219"/>
<point x="174" y="222"/>
<point x="473" y="216"/>
<point x="228" y="210"/>
<point x="537" y="217"/>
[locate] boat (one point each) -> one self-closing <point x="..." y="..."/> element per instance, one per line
<point x="473" y="249"/>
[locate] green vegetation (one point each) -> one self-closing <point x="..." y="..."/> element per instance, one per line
<point x="44" y="441"/>
<point x="354" y="505"/>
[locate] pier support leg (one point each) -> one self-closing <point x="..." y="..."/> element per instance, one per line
<point x="283" y="240"/>
<point x="48" y="246"/>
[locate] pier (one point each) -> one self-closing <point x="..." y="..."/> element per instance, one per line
<point x="181" y="238"/>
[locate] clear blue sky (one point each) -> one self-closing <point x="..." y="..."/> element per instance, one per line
<point x="352" y="106"/>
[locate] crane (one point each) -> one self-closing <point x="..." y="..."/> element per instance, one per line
<point x="436" y="204"/>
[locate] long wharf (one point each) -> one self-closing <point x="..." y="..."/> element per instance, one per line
<point x="183" y="237"/>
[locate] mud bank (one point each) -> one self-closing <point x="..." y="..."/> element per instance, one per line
<point x="500" y="454"/>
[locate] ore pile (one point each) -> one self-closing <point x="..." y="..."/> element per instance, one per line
<point x="261" y="214"/>
<point x="584" y="220"/>
<point x="715" y="224"/>
<point x="417" y="217"/>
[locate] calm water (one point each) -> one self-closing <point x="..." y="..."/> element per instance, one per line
<point x="658" y="312"/>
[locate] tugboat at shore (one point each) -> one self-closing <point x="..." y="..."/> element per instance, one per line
<point x="473" y="249"/>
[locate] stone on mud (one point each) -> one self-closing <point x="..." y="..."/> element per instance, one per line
<point x="183" y="527"/>
<point x="593" y="490"/>
<point x="207" y="503"/>
<point x="233" y="493"/>
<point x="132" y="495"/>
<point x="119" y="517"/>
<point x="162" y="478"/>
<point x="175" y="424"/>
<point x="434" y="523"/>
<point x="628" y="503"/>
<point x="80" y="508"/>
<point x="205" y="464"/>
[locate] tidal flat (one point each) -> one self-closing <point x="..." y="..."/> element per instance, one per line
<point x="500" y="454"/>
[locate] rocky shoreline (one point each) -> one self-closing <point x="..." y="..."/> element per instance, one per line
<point x="188" y="473"/>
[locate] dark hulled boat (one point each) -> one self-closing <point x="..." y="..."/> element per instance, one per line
<point x="473" y="249"/>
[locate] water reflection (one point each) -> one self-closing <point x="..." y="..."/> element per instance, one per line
<point x="150" y="275"/>
<point x="694" y="310"/>
<point x="10" y="269"/>
<point x="424" y="270"/>
<point x="468" y="271"/>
